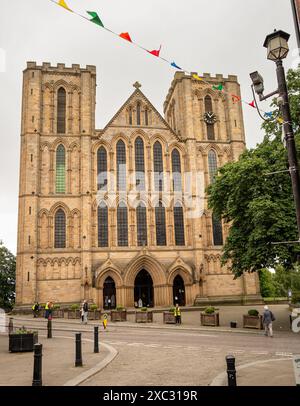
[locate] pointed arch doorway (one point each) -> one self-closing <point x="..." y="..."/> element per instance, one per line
<point x="178" y="291"/>
<point x="143" y="289"/>
<point x="109" y="293"/>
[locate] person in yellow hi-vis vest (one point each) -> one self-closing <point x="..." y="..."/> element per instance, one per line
<point x="177" y="314"/>
<point x="104" y="321"/>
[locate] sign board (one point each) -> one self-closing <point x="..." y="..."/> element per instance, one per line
<point x="296" y="362"/>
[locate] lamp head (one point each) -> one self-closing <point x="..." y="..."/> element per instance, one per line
<point x="277" y="45"/>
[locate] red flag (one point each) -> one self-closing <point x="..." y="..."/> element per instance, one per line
<point x="252" y="104"/>
<point x="235" y="98"/>
<point x="155" y="52"/>
<point x="125" y="35"/>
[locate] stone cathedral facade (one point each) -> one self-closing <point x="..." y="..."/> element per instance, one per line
<point x="120" y="214"/>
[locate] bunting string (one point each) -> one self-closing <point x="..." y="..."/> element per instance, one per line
<point x="94" y="18"/>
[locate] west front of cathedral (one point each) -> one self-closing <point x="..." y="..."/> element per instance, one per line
<point x="119" y="216"/>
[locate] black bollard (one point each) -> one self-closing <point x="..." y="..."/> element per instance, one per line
<point x="96" y="341"/>
<point x="231" y="372"/>
<point x="37" y="366"/>
<point x="78" y="355"/>
<point x="49" y="328"/>
<point x="10" y="325"/>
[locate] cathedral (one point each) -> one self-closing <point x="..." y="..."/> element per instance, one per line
<point x="119" y="216"/>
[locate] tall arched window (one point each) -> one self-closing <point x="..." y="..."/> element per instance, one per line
<point x="217" y="230"/>
<point x="176" y="171"/>
<point x="212" y="165"/>
<point x="158" y="167"/>
<point x="130" y="115"/>
<point x="122" y="222"/>
<point x="179" y="225"/>
<point x="101" y="169"/>
<point x="60" y="229"/>
<point x="121" y="166"/>
<point x="60" y="169"/>
<point x="160" y="221"/>
<point x="139" y="164"/>
<point x="138" y="113"/>
<point x="102" y="225"/>
<point x="146" y="116"/>
<point x="141" y="223"/>
<point x="209" y="109"/>
<point x="61" y="111"/>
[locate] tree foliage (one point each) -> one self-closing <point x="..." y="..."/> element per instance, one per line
<point x="260" y="207"/>
<point x="7" y="277"/>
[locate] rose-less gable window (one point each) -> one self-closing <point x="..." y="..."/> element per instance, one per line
<point x="61" y="111"/>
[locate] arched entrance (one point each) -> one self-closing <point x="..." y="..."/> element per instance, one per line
<point x="178" y="291"/>
<point x="143" y="289"/>
<point x="109" y="293"/>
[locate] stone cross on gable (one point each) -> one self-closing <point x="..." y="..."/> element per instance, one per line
<point x="137" y="85"/>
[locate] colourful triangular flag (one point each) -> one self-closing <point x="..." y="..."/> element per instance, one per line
<point x="269" y="114"/>
<point x="155" y="52"/>
<point x="63" y="4"/>
<point x="235" y="98"/>
<point x="195" y="76"/>
<point x="125" y="35"/>
<point x="175" y="66"/>
<point x="252" y="104"/>
<point x="96" y="18"/>
<point x="219" y="87"/>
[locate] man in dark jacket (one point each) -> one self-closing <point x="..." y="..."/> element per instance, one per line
<point x="268" y="318"/>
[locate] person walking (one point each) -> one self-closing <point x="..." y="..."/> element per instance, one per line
<point x="177" y="314"/>
<point x="82" y="313"/>
<point x="104" y="321"/>
<point x="85" y="311"/>
<point x="267" y="319"/>
<point x="35" y="309"/>
<point x="47" y="310"/>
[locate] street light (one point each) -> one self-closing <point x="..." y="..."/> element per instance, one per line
<point x="277" y="46"/>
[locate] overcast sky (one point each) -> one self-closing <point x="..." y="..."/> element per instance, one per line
<point x="216" y="36"/>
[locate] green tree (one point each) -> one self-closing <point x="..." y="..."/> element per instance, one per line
<point x="267" y="285"/>
<point x="7" y="278"/>
<point x="259" y="206"/>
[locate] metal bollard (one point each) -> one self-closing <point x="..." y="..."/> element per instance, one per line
<point x="10" y="325"/>
<point x="96" y="341"/>
<point x="231" y="372"/>
<point x="37" y="366"/>
<point x="78" y="355"/>
<point x="49" y="328"/>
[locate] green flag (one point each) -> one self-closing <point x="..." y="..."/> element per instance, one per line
<point x="219" y="87"/>
<point x="96" y="18"/>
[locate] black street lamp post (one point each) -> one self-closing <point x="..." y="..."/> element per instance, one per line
<point x="277" y="45"/>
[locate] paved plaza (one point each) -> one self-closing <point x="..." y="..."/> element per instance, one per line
<point x="156" y="354"/>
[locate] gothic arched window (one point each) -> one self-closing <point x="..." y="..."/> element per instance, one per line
<point x="101" y="169"/>
<point x="146" y="117"/>
<point x="102" y="225"/>
<point x="158" y="167"/>
<point x="179" y="225"/>
<point x="61" y="110"/>
<point x="122" y="222"/>
<point x="141" y="223"/>
<point x="121" y="166"/>
<point x="217" y="230"/>
<point x="130" y="115"/>
<point x="139" y="164"/>
<point x="60" y="169"/>
<point x="210" y="127"/>
<point x="138" y="113"/>
<point x="212" y="165"/>
<point x="60" y="229"/>
<point x="160" y="221"/>
<point x="176" y="171"/>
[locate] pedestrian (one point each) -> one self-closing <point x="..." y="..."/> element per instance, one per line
<point x="85" y="311"/>
<point x="268" y="318"/>
<point x="177" y="314"/>
<point x="47" y="310"/>
<point x="35" y="309"/>
<point x="50" y="309"/>
<point x="104" y="321"/>
<point x="82" y="313"/>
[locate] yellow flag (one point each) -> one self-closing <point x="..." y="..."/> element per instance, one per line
<point x="63" y="4"/>
<point x="195" y="76"/>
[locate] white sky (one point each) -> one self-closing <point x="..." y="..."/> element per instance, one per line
<point x="216" y="36"/>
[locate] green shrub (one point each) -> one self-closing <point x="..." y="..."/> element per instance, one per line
<point x="171" y="310"/>
<point x="75" y="306"/>
<point x="93" y="307"/>
<point x="296" y="298"/>
<point x="144" y="309"/>
<point x="23" y="330"/>
<point x="56" y="307"/>
<point x="42" y="305"/>
<point x="120" y="307"/>
<point x="253" y="312"/>
<point x="210" y="310"/>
